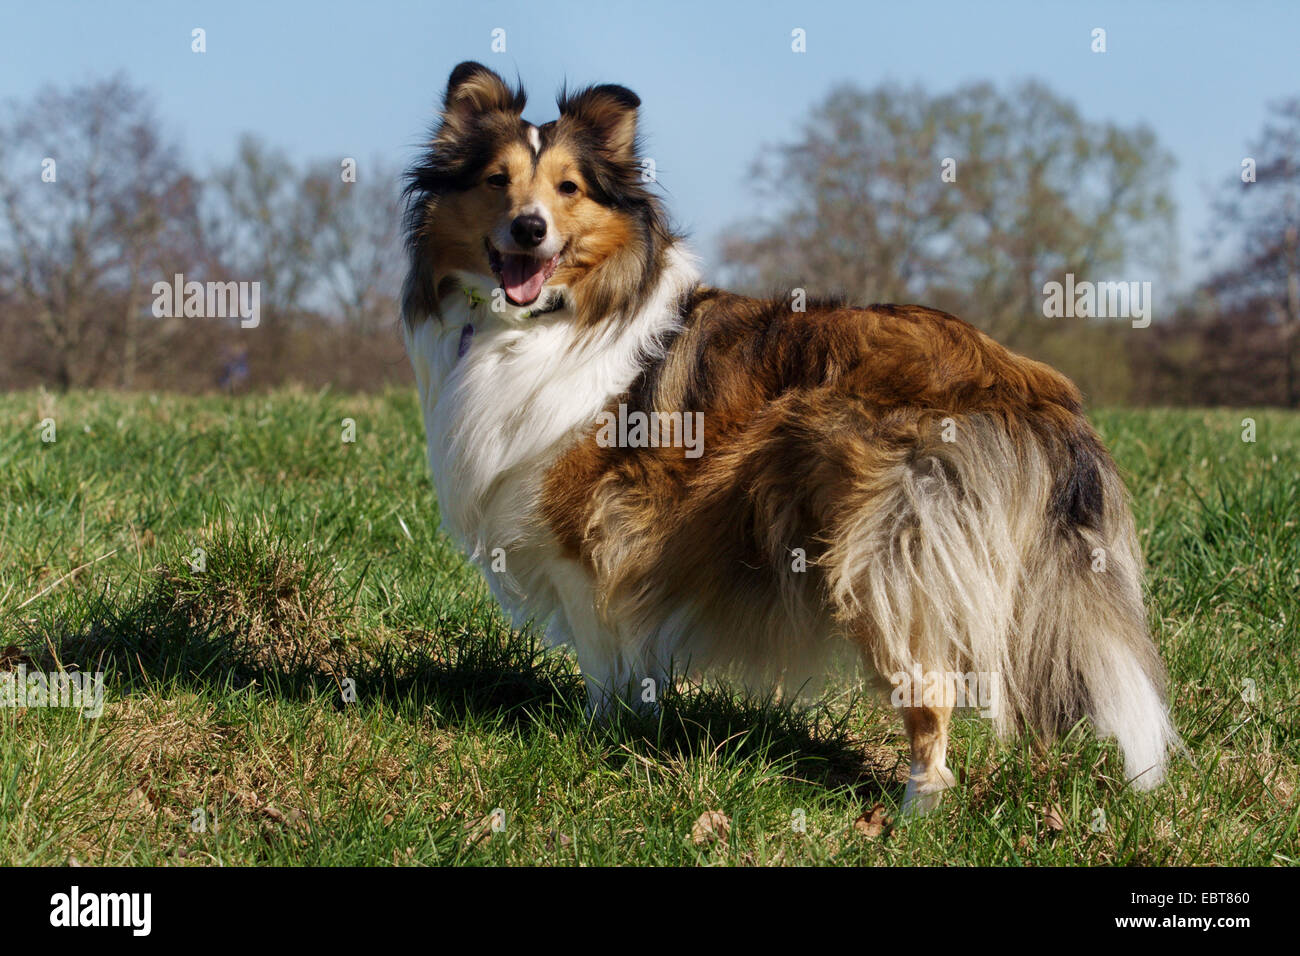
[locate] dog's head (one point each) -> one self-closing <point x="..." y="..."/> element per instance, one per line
<point x="556" y="215"/>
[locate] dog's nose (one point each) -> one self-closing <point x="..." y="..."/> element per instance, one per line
<point x="528" y="231"/>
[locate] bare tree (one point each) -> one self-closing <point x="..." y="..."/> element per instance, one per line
<point x="94" y="195"/>
<point x="1259" y="220"/>
<point x="970" y="201"/>
<point x="261" y="229"/>
<point x="358" y="245"/>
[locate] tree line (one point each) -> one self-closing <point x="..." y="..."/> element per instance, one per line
<point x="980" y="201"/>
<point x="97" y="207"/>
<point x="974" y="201"/>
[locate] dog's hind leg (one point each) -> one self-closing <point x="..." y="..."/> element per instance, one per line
<point x="927" y="732"/>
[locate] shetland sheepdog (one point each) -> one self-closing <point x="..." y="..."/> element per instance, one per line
<point x="885" y="479"/>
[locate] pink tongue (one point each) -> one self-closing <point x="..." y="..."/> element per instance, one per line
<point x="523" y="277"/>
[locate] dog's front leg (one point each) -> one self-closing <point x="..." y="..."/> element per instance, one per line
<point x="616" y="684"/>
<point x="616" y="673"/>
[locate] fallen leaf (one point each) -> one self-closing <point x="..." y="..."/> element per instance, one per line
<point x="481" y="831"/>
<point x="712" y="827"/>
<point x="873" y="822"/>
<point x="1054" y="817"/>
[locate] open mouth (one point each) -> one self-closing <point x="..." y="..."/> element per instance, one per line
<point x="522" y="276"/>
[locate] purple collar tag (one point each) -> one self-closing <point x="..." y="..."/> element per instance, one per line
<point x="466" y="334"/>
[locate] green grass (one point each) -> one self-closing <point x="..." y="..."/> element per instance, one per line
<point x="325" y="572"/>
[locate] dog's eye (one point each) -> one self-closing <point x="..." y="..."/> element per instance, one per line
<point x="568" y="187"/>
<point x="498" y="180"/>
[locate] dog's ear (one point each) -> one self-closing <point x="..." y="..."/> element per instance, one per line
<point x="608" y="111"/>
<point x="474" y="91"/>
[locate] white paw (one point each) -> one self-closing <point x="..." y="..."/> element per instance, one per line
<point x="610" y="698"/>
<point x="925" y="790"/>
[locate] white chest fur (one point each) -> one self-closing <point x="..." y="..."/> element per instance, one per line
<point x="499" y="415"/>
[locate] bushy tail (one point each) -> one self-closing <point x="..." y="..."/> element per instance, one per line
<point x="1082" y="645"/>
<point x="1014" y="558"/>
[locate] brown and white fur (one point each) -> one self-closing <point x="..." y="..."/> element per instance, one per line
<point x="949" y="496"/>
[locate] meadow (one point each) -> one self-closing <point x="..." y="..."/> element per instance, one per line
<point x="301" y="669"/>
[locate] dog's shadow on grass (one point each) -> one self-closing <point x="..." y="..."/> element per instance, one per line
<point x="808" y="743"/>
<point x="459" y="675"/>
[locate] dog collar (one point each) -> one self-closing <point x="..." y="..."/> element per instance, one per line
<point x="475" y="299"/>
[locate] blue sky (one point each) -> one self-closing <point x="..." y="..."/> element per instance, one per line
<point x="718" y="80"/>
